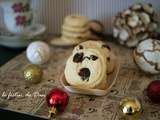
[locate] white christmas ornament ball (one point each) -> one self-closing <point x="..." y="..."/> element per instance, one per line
<point x="147" y="56"/>
<point x="38" y="52"/>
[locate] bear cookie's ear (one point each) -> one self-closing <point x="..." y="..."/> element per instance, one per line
<point x="80" y="47"/>
<point x="106" y="46"/>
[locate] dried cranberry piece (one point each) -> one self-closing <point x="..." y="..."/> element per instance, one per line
<point x="84" y="73"/>
<point x="108" y="59"/>
<point x="93" y="57"/>
<point x="78" y="57"/>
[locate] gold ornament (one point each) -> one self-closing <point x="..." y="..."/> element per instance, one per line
<point x="130" y="108"/>
<point x="33" y="74"/>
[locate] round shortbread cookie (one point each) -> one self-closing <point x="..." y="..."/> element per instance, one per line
<point x="71" y="40"/>
<point x="84" y="35"/>
<point x="66" y="27"/>
<point x="96" y="26"/>
<point x="76" y="21"/>
<point x="87" y="69"/>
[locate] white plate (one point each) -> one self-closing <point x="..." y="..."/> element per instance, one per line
<point x="15" y="41"/>
<point x="97" y="92"/>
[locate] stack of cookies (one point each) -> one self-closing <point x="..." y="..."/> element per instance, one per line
<point x="75" y="29"/>
<point x="89" y="65"/>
